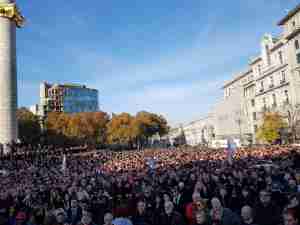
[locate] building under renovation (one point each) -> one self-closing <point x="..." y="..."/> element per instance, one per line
<point x="68" y="98"/>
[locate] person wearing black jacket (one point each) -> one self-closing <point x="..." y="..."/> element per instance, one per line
<point x="170" y="217"/>
<point x="142" y="216"/>
<point x="266" y="212"/>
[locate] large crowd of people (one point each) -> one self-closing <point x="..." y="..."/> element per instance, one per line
<point x="182" y="186"/>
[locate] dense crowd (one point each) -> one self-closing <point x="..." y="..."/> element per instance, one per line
<point x="183" y="186"/>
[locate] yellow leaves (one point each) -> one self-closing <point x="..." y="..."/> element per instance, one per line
<point x="124" y="128"/>
<point x="97" y="126"/>
<point x="269" y="131"/>
<point x="89" y="126"/>
<point x="119" y="129"/>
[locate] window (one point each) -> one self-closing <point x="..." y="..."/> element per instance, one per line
<point x="259" y="69"/>
<point x="296" y="44"/>
<point x="298" y="58"/>
<point x="228" y="92"/>
<point x="268" y="55"/>
<point x="274" y="99"/>
<point x="271" y="82"/>
<point x="294" y="23"/>
<point x="261" y="86"/>
<point x="254" y="115"/>
<point x="264" y="102"/>
<point x="286" y="95"/>
<point x="280" y="57"/>
<point x="282" y="76"/>
<point x="255" y="128"/>
<point x="253" y="102"/>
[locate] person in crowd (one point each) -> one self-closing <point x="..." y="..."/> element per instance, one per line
<point x="202" y="218"/>
<point x="86" y="218"/>
<point x="246" y="197"/>
<point x="74" y="213"/>
<point x="142" y="216"/>
<point x="247" y="215"/>
<point x="266" y="212"/>
<point x="21" y="218"/>
<point x="221" y="215"/>
<point x="170" y="217"/>
<point x="159" y="207"/>
<point x="60" y="216"/>
<point x="191" y="209"/>
<point x="108" y="218"/>
<point x="32" y="182"/>
<point x="294" y="204"/>
<point x="290" y="217"/>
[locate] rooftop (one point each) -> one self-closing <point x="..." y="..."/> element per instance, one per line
<point x="238" y="77"/>
<point x="290" y="14"/>
<point x="68" y="85"/>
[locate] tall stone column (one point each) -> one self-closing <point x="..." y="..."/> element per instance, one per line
<point x="10" y="18"/>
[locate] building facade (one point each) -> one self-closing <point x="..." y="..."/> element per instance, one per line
<point x="68" y="98"/>
<point x="271" y="81"/>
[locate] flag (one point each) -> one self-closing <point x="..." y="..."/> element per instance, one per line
<point x="64" y="163"/>
<point x="231" y="149"/>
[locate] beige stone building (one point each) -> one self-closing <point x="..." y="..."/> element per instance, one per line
<point x="271" y="81"/>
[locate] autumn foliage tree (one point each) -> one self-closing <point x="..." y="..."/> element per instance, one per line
<point x="89" y="127"/>
<point x="124" y="129"/>
<point x="119" y="129"/>
<point x="98" y="128"/>
<point x="28" y="126"/>
<point x="270" y="129"/>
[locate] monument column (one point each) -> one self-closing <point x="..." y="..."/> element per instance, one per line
<point x="10" y="18"/>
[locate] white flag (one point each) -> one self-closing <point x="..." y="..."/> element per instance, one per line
<point x="64" y="163"/>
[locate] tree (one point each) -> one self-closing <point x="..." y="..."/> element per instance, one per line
<point x="56" y="125"/>
<point x="99" y="121"/>
<point x="293" y="119"/>
<point x="119" y="129"/>
<point x="125" y="129"/>
<point x="87" y="127"/>
<point x="270" y="129"/>
<point x="28" y="126"/>
<point x="151" y="124"/>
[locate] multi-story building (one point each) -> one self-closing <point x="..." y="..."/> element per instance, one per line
<point x="271" y="82"/>
<point x="199" y="132"/>
<point x="68" y="98"/>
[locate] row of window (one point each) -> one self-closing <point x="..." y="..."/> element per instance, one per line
<point x="271" y="81"/>
<point x="280" y="58"/>
<point x="274" y="102"/>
